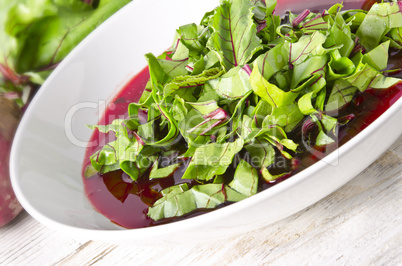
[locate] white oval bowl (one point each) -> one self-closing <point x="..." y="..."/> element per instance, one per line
<point x="49" y="146"/>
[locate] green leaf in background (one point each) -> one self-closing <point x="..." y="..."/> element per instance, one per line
<point x="37" y="34"/>
<point x="45" y="31"/>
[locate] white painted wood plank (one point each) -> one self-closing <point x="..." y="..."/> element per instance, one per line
<point x="25" y="241"/>
<point x="359" y="224"/>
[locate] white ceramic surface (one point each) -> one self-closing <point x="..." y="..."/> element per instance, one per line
<point x="46" y="157"/>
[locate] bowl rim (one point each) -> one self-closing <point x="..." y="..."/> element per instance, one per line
<point x="188" y="223"/>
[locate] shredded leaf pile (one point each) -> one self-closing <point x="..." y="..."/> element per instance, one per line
<point x="232" y="89"/>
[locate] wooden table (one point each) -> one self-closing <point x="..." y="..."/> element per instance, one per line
<point x="359" y="224"/>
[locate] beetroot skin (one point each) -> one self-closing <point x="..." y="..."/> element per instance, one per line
<point x="10" y="116"/>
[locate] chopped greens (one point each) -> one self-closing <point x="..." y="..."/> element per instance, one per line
<point x="228" y="98"/>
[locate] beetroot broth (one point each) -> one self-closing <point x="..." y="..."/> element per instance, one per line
<point x="125" y="202"/>
<point x="113" y="194"/>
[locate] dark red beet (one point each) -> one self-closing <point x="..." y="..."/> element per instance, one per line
<point x="10" y="116"/>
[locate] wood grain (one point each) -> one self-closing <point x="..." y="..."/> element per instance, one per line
<point x="359" y="224"/>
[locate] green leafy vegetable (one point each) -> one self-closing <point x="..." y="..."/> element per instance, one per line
<point x="38" y="34"/>
<point x="378" y="22"/>
<point x="275" y="96"/>
<point x="182" y="200"/>
<point x="234" y="36"/>
<point x="238" y="94"/>
<point x="245" y="180"/>
<point x="163" y="172"/>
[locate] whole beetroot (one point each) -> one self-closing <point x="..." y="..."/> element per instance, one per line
<point x="10" y="116"/>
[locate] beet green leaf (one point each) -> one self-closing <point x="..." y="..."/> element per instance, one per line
<point x="234" y="38"/>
